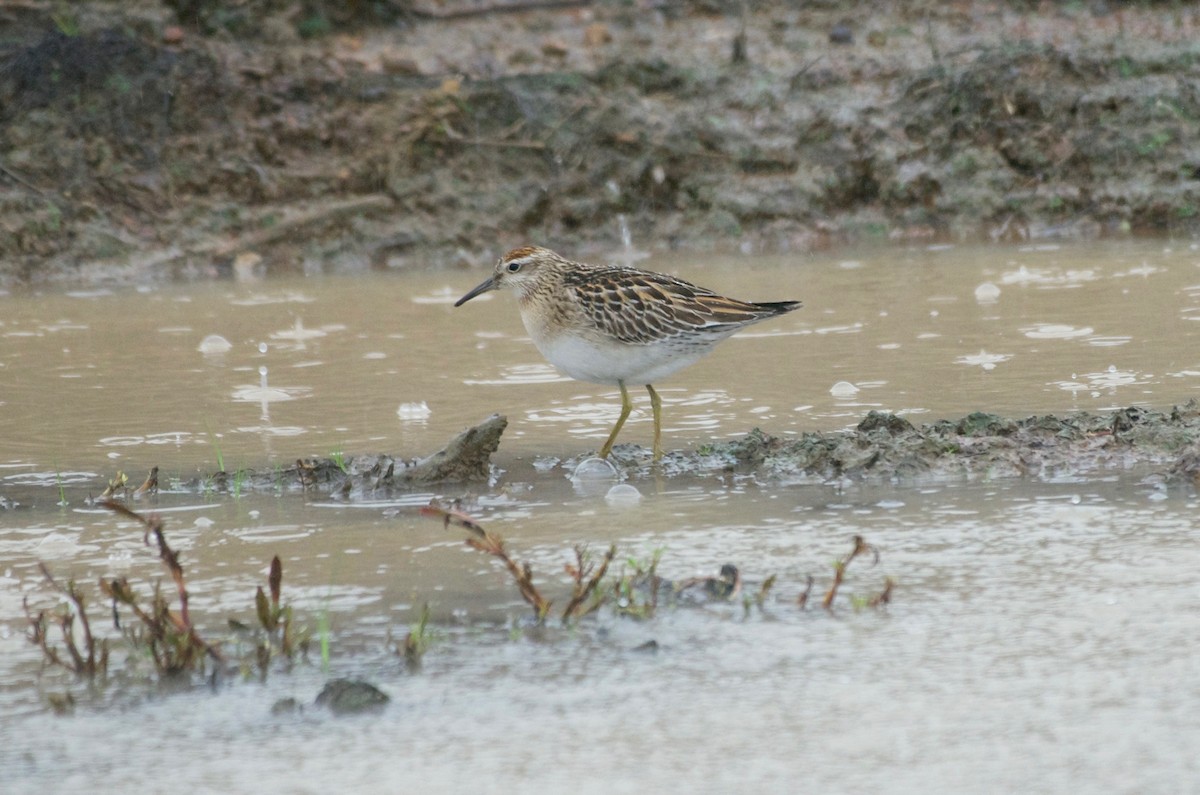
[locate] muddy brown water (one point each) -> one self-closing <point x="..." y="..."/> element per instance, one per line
<point x="1041" y="637"/>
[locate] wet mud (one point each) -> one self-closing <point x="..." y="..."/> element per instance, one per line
<point x="149" y="142"/>
<point x="980" y="445"/>
<point x="883" y="447"/>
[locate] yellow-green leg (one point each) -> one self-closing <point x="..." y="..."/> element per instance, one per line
<point x="626" y="407"/>
<point x="656" y="406"/>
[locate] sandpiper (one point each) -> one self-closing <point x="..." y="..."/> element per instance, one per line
<point x="618" y="325"/>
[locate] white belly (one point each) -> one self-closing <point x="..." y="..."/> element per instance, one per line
<point x="608" y="363"/>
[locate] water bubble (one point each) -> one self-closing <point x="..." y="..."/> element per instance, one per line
<point x="214" y="343"/>
<point x="595" y="469"/>
<point x="987" y="293"/>
<point x="262" y="347"/>
<point x="843" y="389"/>
<point x="414" y="411"/>
<point x="623" y="494"/>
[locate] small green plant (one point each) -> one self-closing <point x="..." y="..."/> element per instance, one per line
<point x="1154" y="143"/>
<point x="240" y="478"/>
<point x="417" y="641"/>
<point x="212" y="438"/>
<point x="324" y="633"/>
<point x="313" y="26"/>
<point x="964" y="165"/>
<point x="53" y="219"/>
<point x="62" y="492"/>
<point x="119" y="83"/>
<point x="636" y="591"/>
<point x="876" y="229"/>
<point x="66" y="22"/>
<point x="339" y="459"/>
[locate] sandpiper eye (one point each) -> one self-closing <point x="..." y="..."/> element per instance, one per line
<point x="514" y="266"/>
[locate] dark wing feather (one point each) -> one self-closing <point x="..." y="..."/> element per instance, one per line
<point x="640" y="307"/>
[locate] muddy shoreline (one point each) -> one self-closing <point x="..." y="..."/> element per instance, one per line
<point x="882" y="448"/>
<point x="138" y="148"/>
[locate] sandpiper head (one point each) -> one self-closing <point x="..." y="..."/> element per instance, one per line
<point x="516" y="270"/>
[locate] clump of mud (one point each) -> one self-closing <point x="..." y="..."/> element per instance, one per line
<point x="886" y="447"/>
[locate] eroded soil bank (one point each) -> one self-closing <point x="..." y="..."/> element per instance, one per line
<point x="138" y="144"/>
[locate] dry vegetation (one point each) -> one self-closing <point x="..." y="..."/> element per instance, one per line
<point x="160" y="627"/>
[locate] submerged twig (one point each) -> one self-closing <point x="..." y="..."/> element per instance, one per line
<point x="84" y="664"/>
<point x="885" y="596"/>
<point x="178" y="648"/>
<point x="581" y="571"/>
<point x="276" y="619"/>
<point x="839" y="568"/>
<point x="149" y="485"/>
<point x="487" y="541"/>
<point x="764" y="590"/>
<point x="115" y="485"/>
<point x="306" y="472"/>
<point x="802" y="599"/>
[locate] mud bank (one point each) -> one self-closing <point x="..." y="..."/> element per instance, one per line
<point x="887" y="447"/>
<point x="1165" y="446"/>
<point x="139" y="146"/>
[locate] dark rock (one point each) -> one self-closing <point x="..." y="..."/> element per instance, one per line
<point x="285" y="706"/>
<point x="351" y="697"/>
<point x="841" y="34"/>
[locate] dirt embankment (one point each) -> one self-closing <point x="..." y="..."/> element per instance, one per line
<point x="138" y="145"/>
